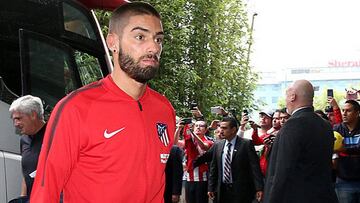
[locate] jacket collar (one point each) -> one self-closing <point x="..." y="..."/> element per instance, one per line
<point x="303" y="109"/>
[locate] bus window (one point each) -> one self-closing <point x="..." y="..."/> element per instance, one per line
<point x="48" y="67"/>
<point x="6" y="94"/>
<point x="88" y="67"/>
<point x="75" y="21"/>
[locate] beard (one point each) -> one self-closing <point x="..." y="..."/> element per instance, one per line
<point x="133" y="68"/>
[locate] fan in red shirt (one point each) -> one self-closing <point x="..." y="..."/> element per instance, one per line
<point x="195" y="144"/>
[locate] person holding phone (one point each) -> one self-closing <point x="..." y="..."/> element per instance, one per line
<point x="347" y="161"/>
<point x="333" y="111"/>
<point x="265" y="124"/>
<point x="194" y="143"/>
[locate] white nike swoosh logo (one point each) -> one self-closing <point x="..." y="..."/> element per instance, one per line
<point x="109" y="135"/>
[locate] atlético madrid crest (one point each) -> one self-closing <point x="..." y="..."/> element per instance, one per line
<point x="163" y="133"/>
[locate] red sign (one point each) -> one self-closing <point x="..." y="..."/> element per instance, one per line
<point x="336" y="63"/>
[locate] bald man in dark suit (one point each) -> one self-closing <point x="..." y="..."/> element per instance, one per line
<point x="299" y="169"/>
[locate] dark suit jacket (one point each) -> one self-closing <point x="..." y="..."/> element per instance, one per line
<point x="245" y="170"/>
<point x="174" y="173"/>
<point x="299" y="169"/>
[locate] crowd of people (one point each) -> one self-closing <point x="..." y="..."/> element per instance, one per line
<point x="117" y="140"/>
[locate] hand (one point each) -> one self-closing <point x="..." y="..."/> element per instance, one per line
<point x="214" y="124"/>
<point x="333" y="103"/>
<point x="180" y="125"/>
<point x="253" y="125"/>
<point x="259" y="196"/>
<point x="196" y="112"/>
<point x="175" y="198"/>
<point x="223" y="112"/>
<point x="244" y="120"/>
<point x="351" y="94"/>
<point x="269" y="140"/>
<point x="211" y="195"/>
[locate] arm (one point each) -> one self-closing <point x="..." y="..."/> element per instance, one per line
<point x="206" y="157"/>
<point x="255" y="167"/>
<point x="178" y="172"/>
<point x="23" y="183"/>
<point x="177" y="141"/>
<point x="256" y="140"/>
<point x="338" y="116"/>
<point x="213" y="174"/>
<point x="58" y="155"/>
<point x="337" y="111"/>
<point x="204" y="145"/>
<point x="288" y="151"/>
<point x="23" y="188"/>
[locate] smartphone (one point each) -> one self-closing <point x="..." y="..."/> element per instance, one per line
<point x="193" y="105"/>
<point x="245" y="112"/>
<point x="330" y="93"/>
<point x="185" y="121"/>
<point x="215" y="110"/>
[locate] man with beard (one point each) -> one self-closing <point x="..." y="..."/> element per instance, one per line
<point x="109" y="141"/>
<point x="347" y="163"/>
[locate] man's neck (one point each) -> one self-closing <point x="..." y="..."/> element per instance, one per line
<point x="128" y="85"/>
<point x="351" y="126"/>
<point x="38" y="125"/>
<point x="231" y="138"/>
<point x="263" y="130"/>
<point x="299" y="107"/>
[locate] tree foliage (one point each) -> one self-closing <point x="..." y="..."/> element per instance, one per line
<point x="204" y="54"/>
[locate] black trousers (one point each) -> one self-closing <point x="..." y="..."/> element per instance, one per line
<point x="228" y="194"/>
<point x="196" y="192"/>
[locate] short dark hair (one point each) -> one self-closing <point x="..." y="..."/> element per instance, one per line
<point x="323" y="115"/>
<point x="123" y="12"/>
<point x="232" y="122"/>
<point x="355" y="104"/>
<point x="283" y="110"/>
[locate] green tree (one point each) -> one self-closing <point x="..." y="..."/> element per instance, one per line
<point x="204" y="54"/>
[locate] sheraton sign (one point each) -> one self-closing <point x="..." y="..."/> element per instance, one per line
<point x="336" y="63"/>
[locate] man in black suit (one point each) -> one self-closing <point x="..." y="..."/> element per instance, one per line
<point x="299" y="169"/>
<point x="174" y="175"/>
<point x="234" y="171"/>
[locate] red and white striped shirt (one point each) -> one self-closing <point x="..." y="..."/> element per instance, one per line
<point x="192" y="151"/>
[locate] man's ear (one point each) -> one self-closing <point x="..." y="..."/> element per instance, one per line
<point x="33" y="115"/>
<point x="234" y="130"/>
<point x="112" y="41"/>
<point x="293" y="97"/>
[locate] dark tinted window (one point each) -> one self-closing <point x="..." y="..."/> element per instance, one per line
<point x="48" y="68"/>
<point x="75" y="21"/>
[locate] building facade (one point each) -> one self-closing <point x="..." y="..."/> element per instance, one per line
<point x="337" y="75"/>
